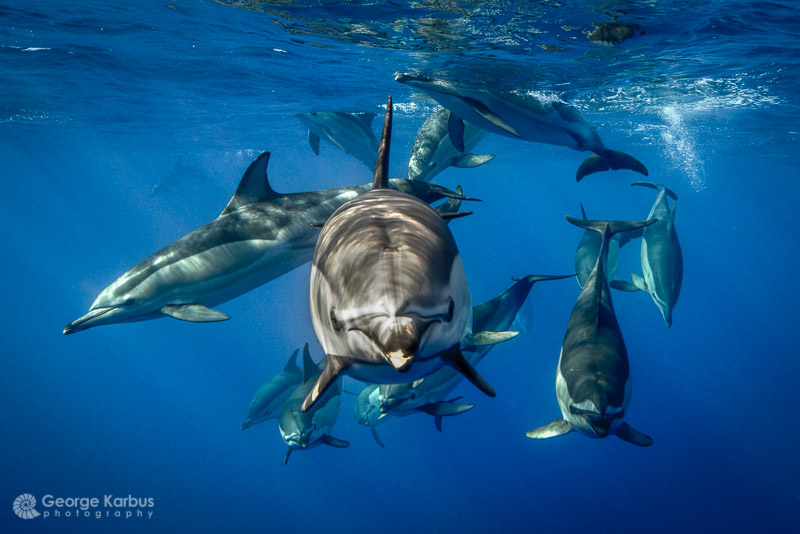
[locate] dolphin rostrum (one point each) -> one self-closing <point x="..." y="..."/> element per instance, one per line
<point x="662" y="259"/>
<point x="260" y="236"/>
<point x="589" y="248"/>
<point x="433" y="151"/>
<point x="388" y="295"/>
<point x="521" y="116"/>
<point x="350" y="132"/>
<point x="268" y="401"/>
<point x="302" y="429"/>
<point x="376" y="403"/>
<point x="593" y="383"/>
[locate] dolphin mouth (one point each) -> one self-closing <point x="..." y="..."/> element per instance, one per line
<point x="87" y="321"/>
<point x="399" y="359"/>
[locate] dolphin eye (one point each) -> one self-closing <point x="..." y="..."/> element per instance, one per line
<point x="334" y="322"/>
<point x="129" y="302"/>
<point x="450" y="311"/>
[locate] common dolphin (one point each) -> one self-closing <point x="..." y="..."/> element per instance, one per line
<point x="388" y="295"/>
<point x="433" y="151"/>
<point x="428" y="395"/>
<point x="260" y="236"/>
<point x="521" y="116"/>
<point x="180" y="172"/>
<point x="593" y="383"/>
<point x="589" y="248"/>
<point x="305" y="429"/>
<point x="662" y="259"/>
<point x="350" y="132"/>
<point x="268" y="401"/>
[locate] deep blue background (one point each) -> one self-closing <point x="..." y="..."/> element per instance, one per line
<point x="99" y="102"/>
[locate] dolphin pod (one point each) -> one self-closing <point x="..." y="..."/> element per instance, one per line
<point x="260" y="236"/>
<point x="521" y="116"/>
<point x="433" y="151"/>
<point x="350" y="132"/>
<point x="593" y="385"/>
<point x="377" y="402"/>
<point x="388" y="294"/>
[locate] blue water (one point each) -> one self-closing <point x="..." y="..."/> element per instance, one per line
<point x="98" y="103"/>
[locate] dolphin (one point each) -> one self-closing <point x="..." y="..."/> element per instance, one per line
<point x="260" y="236"/>
<point x="376" y="402"/>
<point x="350" y="132"/>
<point x="269" y="399"/>
<point x="388" y="295"/>
<point x="593" y="383"/>
<point x="589" y="248"/>
<point x="521" y="116"/>
<point x="302" y="429"/>
<point x="662" y="259"/>
<point x="180" y="172"/>
<point x="433" y="151"/>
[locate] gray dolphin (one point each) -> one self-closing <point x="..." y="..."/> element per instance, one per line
<point x="268" y="401"/>
<point x="350" y="132"/>
<point x="593" y="383"/>
<point x="388" y="295"/>
<point x="260" y="236"/>
<point x="180" y="173"/>
<point x="662" y="259"/>
<point x="305" y="429"/>
<point x="433" y="151"/>
<point x="589" y="248"/>
<point x="521" y="116"/>
<point x="376" y="403"/>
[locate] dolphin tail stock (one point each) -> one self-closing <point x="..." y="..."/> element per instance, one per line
<point x="651" y="185"/>
<point x="614" y="227"/>
<point x="333" y="368"/>
<point x="334" y="442"/>
<point x="609" y="160"/>
<point x="559" y="427"/>
<point x="380" y="181"/>
<point x="627" y="433"/>
<point x="377" y="437"/>
<point x="456" y="359"/>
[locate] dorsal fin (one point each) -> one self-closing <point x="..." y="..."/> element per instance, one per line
<point x="254" y="186"/>
<point x="366" y="119"/>
<point x="291" y="365"/>
<point x="381" y="179"/>
<point x="310" y="370"/>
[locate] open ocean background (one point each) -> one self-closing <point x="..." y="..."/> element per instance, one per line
<point x="100" y="100"/>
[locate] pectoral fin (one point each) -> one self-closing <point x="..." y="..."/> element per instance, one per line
<point x="328" y="376"/>
<point x="194" y="313"/>
<point x="377" y="437"/>
<point x="621" y="285"/>
<point x="487" y="337"/>
<point x="469" y="160"/>
<point x="455" y="129"/>
<point x="631" y="435"/>
<point x="558" y="427"/>
<point x="313" y="140"/>
<point x="638" y="281"/>
<point x="334" y="442"/>
<point x="455" y="358"/>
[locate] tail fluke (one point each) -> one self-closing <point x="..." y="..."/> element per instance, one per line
<point x="609" y="160"/>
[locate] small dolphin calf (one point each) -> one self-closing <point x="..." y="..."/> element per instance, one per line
<point x="305" y="429"/>
<point x="350" y="132"/>
<point x="376" y="403"/>
<point x="433" y="151"/>
<point x="662" y="259"/>
<point x="269" y="399"/>
<point x="388" y="294"/>
<point x="521" y="116"/>
<point x="260" y="236"/>
<point x="593" y="383"/>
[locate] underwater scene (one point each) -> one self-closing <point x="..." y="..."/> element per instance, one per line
<point x="437" y="266"/>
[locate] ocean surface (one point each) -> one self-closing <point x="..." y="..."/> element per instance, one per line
<point x="99" y="103"/>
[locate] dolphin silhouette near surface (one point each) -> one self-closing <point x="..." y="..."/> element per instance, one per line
<point x="521" y="116"/>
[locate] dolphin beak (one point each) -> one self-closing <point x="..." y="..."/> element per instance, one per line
<point x="88" y="321"/>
